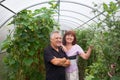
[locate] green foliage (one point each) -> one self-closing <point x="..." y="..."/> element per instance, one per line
<point x="106" y="40"/>
<point x="25" y="46"/>
<point x="112" y="8"/>
<point x="3" y="74"/>
<point x="84" y="38"/>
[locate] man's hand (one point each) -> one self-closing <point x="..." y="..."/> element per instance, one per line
<point x="60" y="62"/>
<point x="67" y="63"/>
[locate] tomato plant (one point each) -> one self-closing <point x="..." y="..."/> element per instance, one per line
<point x="106" y="40"/>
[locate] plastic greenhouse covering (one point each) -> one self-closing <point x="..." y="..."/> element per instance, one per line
<point x="72" y="14"/>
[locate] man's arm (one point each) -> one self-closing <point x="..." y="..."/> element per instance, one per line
<point x="67" y="63"/>
<point x="60" y="62"/>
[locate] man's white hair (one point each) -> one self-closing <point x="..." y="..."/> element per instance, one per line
<point x="52" y="33"/>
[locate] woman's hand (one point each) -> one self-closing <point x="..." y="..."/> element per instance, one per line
<point x="64" y="48"/>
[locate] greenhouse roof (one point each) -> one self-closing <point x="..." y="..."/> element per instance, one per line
<point x="72" y="14"/>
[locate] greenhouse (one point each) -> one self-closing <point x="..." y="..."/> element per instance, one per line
<point x="27" y="27"/>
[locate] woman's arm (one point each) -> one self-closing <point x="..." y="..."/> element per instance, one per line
<point x="64" y="48"/>
<point x="87" y="54"/>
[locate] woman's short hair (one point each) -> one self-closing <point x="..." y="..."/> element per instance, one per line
<point x="69" y="33"/>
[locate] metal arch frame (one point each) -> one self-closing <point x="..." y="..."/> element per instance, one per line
<point x="6" y="7"/>
<point x="90" y="19"/>
<point x="48" y="2"/>
<point x="73" y="21"/>
<point x="79" y="14"/>
<point x="72" y="17"/>
<point x="58" y="9"/>
<point x="85" y="6"/>
<point x="78" y="4"/>
<point x="59" y="3"/>
<point x="2" y="1"/>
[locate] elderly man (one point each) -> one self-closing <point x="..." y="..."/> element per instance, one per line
<point x="55" y="58"/>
